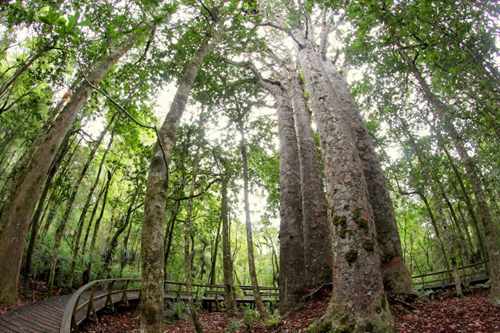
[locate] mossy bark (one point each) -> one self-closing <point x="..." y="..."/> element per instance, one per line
<point x="316" y="230"/>
<point x="358" y="302"/>
<point x="156" y="198"/>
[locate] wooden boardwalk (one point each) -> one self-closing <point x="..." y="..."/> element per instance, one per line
<point x="40" y="317"/>
<point x="61" y="314"/>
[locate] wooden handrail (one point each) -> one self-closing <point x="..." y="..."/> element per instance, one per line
<point x="447" y="271"/>
<point x="108" y="290"/>
<point x="70" y="309"/>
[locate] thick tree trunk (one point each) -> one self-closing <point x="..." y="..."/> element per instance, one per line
<point x="397" y="279"/>
<point x="69" y="207"/>
<point x="316" y="230"/>
<point x="28" y="180"/>
<point x="155" y="200"/>
<point x="292" y="259"/>
<point x="358" y="301"/>
<point x="250" y="248"/>
<point x="227" y="260"/>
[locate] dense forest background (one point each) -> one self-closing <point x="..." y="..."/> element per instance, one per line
<point x="423" y="74"/>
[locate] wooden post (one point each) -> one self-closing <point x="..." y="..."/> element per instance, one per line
<point x="124" y="295"/>
<point x="109" y="297"/>
<point x="91" y="308"/>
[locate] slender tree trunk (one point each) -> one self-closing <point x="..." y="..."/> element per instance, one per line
<point x="316" y="230"/>
<point x="155" y="200"/>
<point x="213" y="260"/>
<point x="468" y="204"/>
<point x="292" y="256"/>
<point x="83" y="213"/>
<point x="436" y="229"/>
<point x="170" y="234"/>
<point x="125" y="253"/>
<point x="443" y="113"/>
<point x="98" y="224"/>
<point x="22" y="69"/>
<point x="91" y="218"/>
<point x="69" y="207"/>
<point x="250" y="248"/>
<point x="119" y="230"/>
<point x="227" y="260"/>
<point x="188" y="259"/>
<point x="358" y="301"/>
<point x="27" y="182"/>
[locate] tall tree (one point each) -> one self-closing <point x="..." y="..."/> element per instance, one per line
<point x="155" y="200"/>
<point x="27" y="182"/>
<point x="317" y="233"/>
<point x="292" y="256"/>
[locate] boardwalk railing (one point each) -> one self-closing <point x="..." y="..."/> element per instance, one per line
<point x="468" y="274"/>
<point x="94" y="296"/>
<point x="98" y="294"/>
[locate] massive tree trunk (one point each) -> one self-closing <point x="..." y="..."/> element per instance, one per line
<point x="292" y="260"/>
<point x="316" y="230"/>
<point x="358" y="301"/>
<point x="156" y="197"/>
<point x="250" y="250"/>
<point x="69" y="207"/>
<point x="443" y="113"/>
<point x="26" y="185"/>
<point x="227" y="260"/>
<point x="397" y="279"/>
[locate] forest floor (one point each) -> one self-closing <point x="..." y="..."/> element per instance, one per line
<point x="442" y="314"/>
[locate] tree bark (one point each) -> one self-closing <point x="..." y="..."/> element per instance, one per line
<point x="358" y="301"/>
<point x="156" y="196"/>
<point x="26" y="186"/>
<point x="316" y="230"/>
<point x="397" y="279"/>
<point x="292" y="256"/>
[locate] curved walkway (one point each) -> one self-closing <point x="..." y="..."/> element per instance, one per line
<point x="40" y="317"/>
<point x="59" y="314"/>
